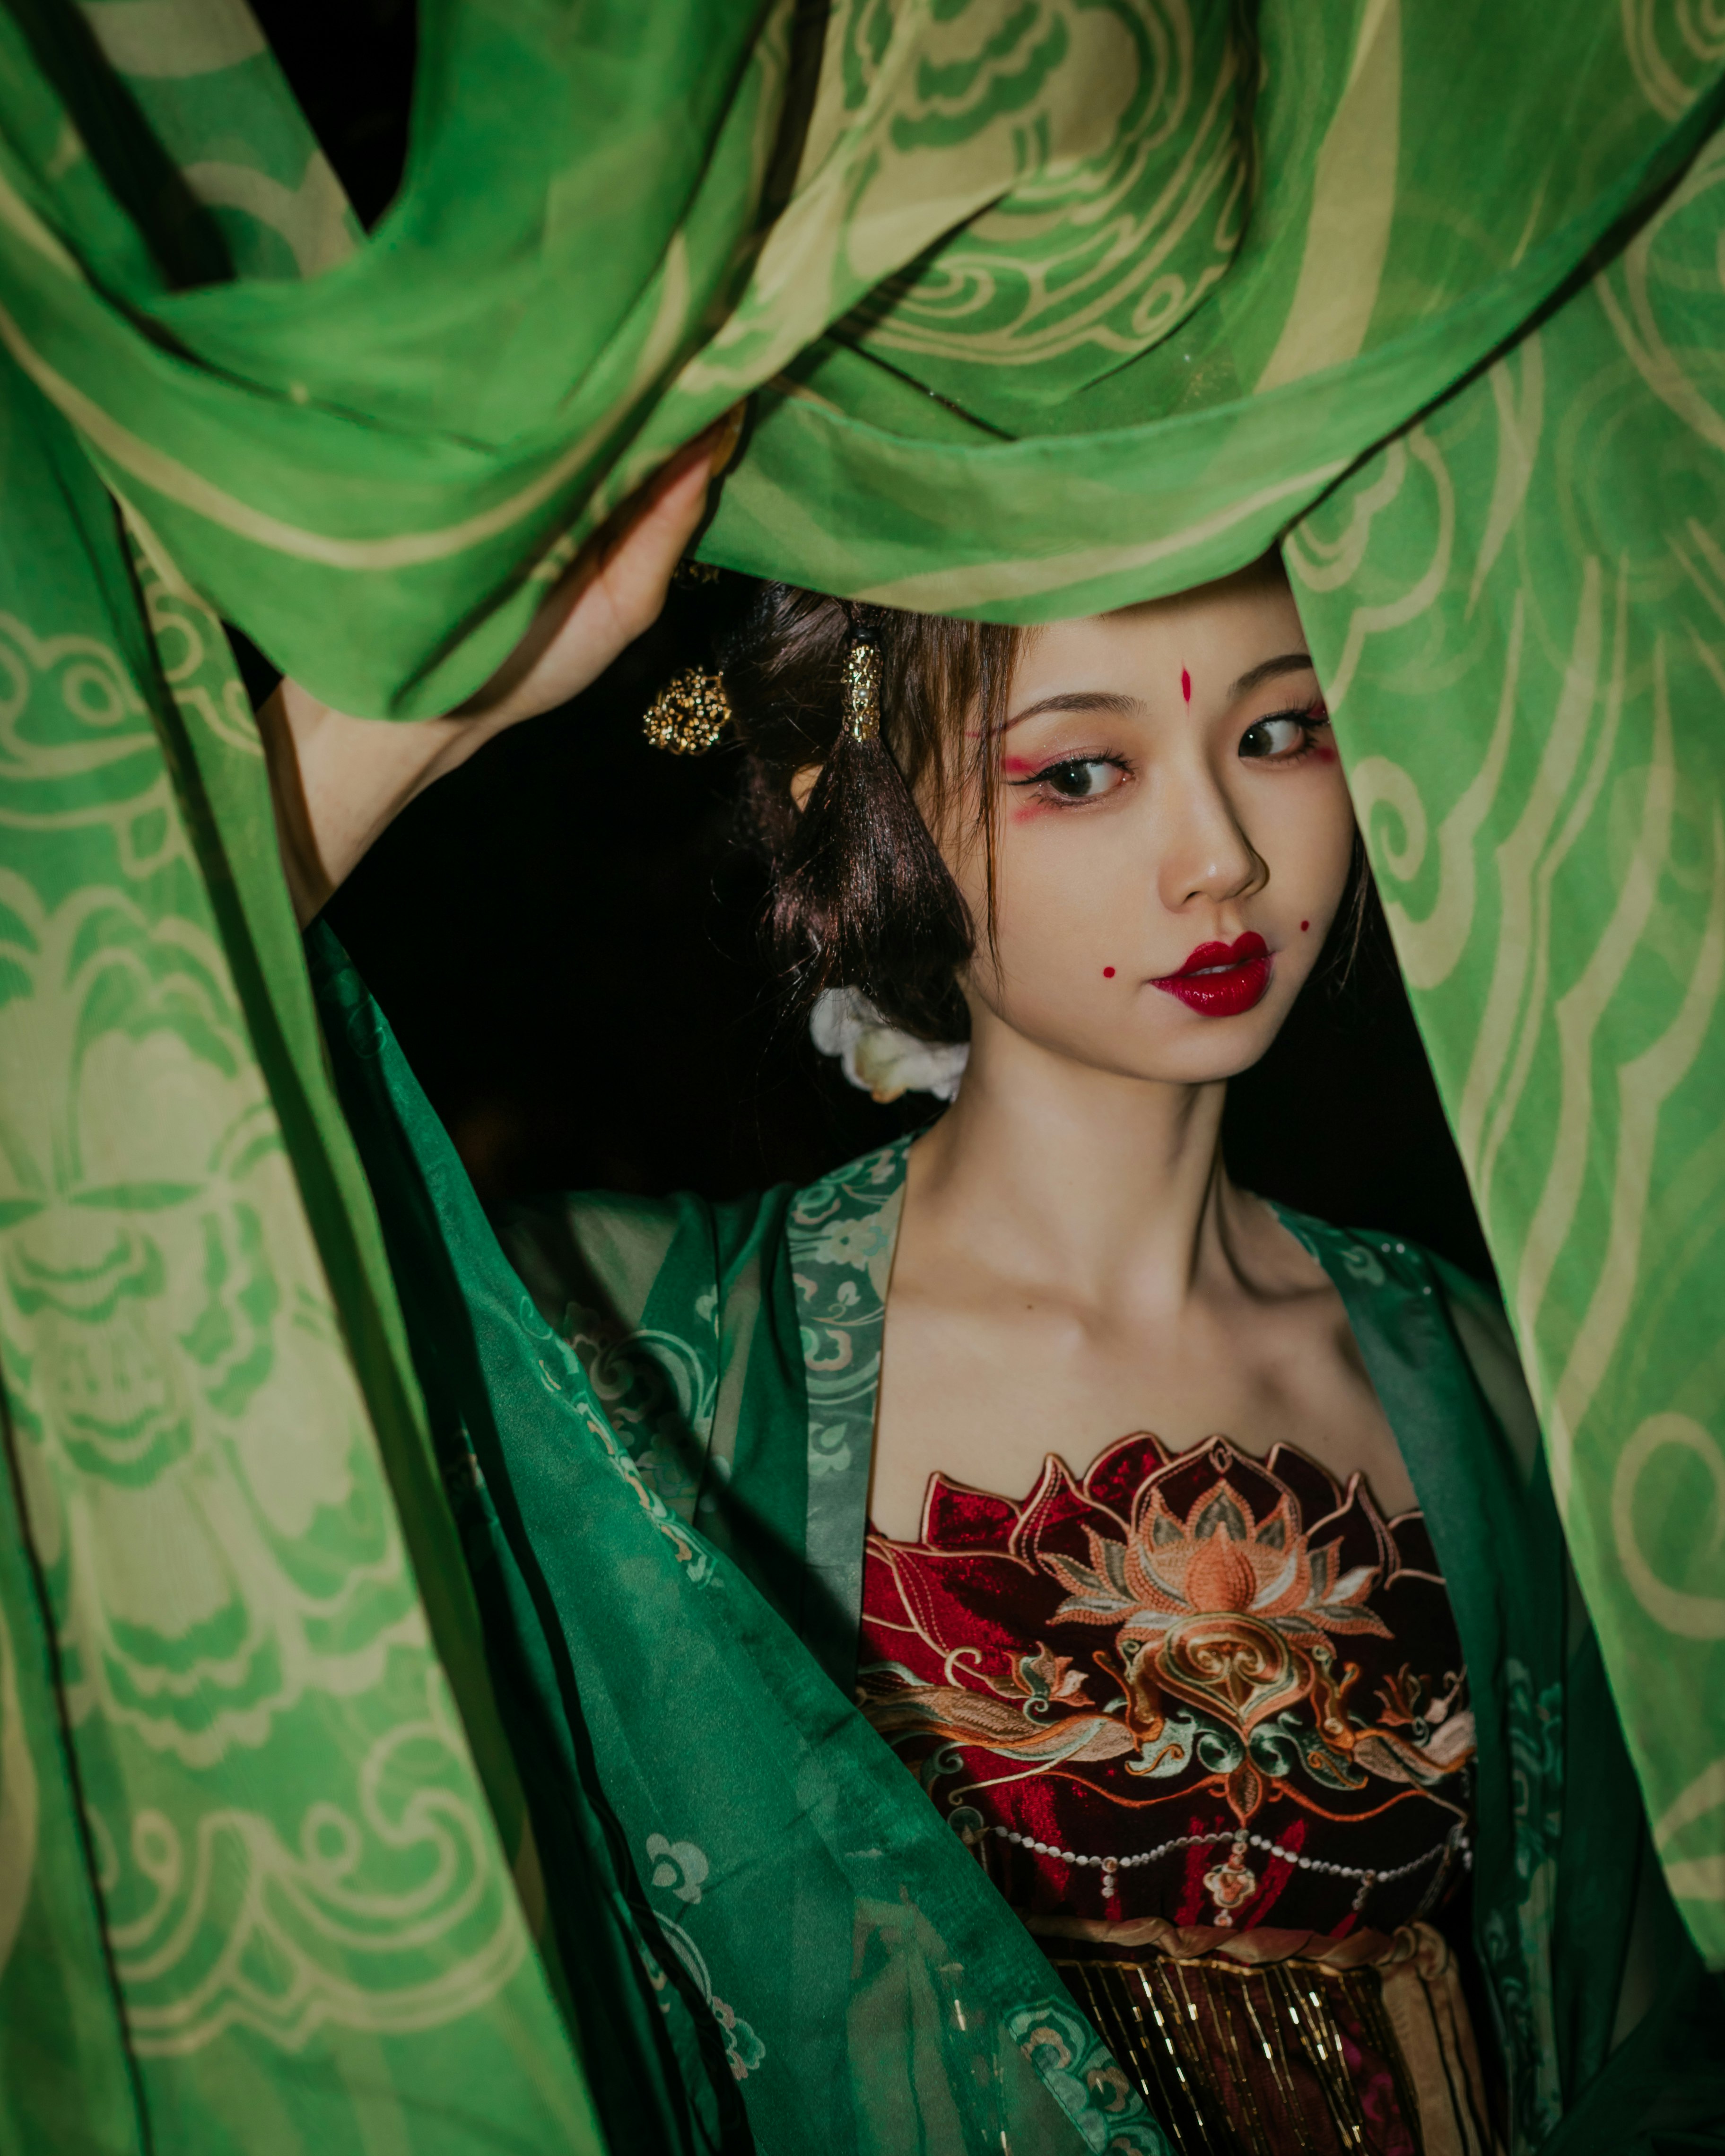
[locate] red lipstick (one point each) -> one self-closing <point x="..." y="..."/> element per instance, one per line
<point x="1221" y="980"/>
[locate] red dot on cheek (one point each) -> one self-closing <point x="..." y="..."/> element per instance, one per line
<point x="1107" y="972"/>
<point x="1305" y="924"/>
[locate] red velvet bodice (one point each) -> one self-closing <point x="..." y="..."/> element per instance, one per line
<point x="1198" y="1686"/>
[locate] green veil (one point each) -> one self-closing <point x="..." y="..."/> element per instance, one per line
<point x="1040" y="307"/>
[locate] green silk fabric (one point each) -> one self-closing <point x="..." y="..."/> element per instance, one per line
<point x="1040" y="308"/>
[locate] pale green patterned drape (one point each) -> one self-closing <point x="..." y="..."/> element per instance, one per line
<point x="1545" y="553"/>
<point x="240" y="1697"/>
<point x="1021" y="347"/>
<point x="1042" y="307"/>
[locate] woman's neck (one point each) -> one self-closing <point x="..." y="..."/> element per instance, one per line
<point x="1111" y="1185"/>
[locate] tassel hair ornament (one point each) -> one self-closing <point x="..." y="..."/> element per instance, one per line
<point x="689" y="713"/>
<point x="862" y="687"/>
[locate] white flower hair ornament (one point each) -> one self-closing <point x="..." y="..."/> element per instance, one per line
<point x="882" y="1059"/>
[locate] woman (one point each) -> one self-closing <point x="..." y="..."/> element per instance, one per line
<point x="1176" y="1688"/>
<point x="1115" y="1473"/>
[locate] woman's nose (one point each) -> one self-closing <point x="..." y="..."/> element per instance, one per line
<point x="1206" y="854"/>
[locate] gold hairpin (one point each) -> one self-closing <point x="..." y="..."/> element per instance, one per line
<point x="862" y="690"/>
<point x="689" y="713"/>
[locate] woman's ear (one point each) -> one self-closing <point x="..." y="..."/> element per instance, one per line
<point x="803" y="785"/>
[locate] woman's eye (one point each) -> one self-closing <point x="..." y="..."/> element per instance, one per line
<point x="1078" y="778"/>
<point x="1282" y="736"/>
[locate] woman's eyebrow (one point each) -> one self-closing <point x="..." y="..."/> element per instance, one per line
<point x="1290" y="662"/>
<point x="1079" y="699"/>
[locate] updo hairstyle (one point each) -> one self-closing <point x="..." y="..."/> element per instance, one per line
<point x="862" y="896"/>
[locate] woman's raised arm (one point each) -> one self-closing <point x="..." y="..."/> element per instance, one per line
<point x="338" y="782"/>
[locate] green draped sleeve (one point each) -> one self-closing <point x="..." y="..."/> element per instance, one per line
<point x="757" y="1904"/>
<point x="679" y="1312"/>
<point x="738" y="1350"/>
<point x="1569" y="1909"/>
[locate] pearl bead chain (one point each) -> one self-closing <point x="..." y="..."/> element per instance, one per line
<point x="1457" y="1840"/>
<point x="1113" y="1863"/>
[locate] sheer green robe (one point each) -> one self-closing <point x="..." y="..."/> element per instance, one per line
<point x="785" y="1915"/>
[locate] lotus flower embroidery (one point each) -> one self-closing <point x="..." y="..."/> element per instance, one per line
<point x="1175" y="1626"/>
<point x="1225" y="1612"/>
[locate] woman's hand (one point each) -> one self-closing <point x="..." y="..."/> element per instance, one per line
<point x="338" y="782"/>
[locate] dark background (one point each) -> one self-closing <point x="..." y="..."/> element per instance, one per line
<point x="563" y="933"/>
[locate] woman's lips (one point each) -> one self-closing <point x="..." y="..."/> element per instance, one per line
<point x="1221" y="980"/>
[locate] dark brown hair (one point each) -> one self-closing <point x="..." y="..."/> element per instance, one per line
<point x="862" y="896"/>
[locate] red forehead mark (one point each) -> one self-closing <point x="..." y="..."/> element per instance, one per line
<point x="1186" y="685"/>
<point x="1305" y="924"/>
<point x="1107" y="972"/>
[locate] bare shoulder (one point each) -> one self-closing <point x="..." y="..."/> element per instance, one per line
<point x="1267" y="1253"/>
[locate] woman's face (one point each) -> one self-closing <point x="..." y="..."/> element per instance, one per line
<point x="1173" y="838"/>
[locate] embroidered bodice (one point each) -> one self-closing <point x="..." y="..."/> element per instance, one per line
<point x="1199" y="1686"/>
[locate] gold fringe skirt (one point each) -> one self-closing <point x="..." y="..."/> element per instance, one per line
<point x="1275" y="2043"/>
